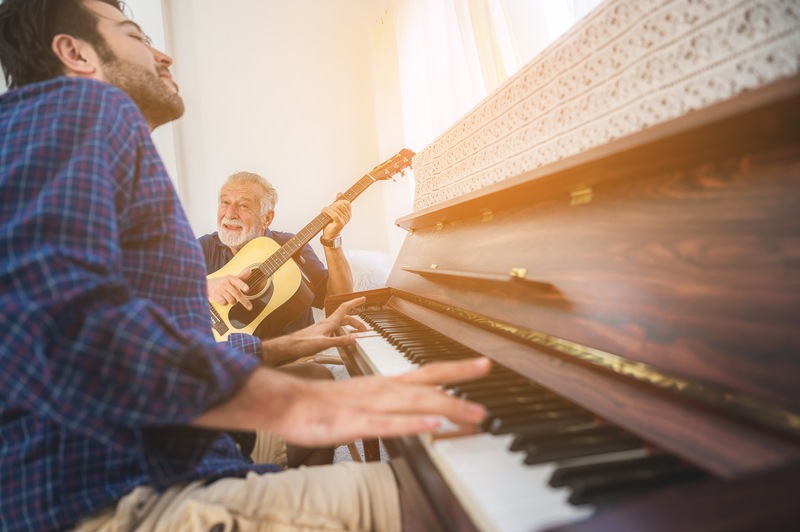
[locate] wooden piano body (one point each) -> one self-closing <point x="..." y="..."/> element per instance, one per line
<point x="668" y="303"/>
<point x="653" y="280"/>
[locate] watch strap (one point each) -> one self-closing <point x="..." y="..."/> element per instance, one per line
<point x="335" y="242"/>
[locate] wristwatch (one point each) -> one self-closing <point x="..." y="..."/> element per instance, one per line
<point x="335" y="242"/>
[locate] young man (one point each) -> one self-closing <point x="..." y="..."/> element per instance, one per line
<point x="113" y="392"/>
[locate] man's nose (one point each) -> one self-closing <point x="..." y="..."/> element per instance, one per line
<point x="161" y="57"/>
<point x="231" y="211"/>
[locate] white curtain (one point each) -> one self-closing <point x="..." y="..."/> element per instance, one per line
<point x="447" y="55"/>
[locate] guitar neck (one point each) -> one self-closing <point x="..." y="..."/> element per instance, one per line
<point x="304" y="236"/>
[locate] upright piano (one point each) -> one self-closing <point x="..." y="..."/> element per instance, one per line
<point x="617" y="227"/>
<point x="640" y="300"/>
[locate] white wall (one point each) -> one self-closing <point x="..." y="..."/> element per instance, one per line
<point x="282" y="88"/>
<point x="147" y="14"/>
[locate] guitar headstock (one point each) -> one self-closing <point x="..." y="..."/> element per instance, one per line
<point x="392" y="166"/>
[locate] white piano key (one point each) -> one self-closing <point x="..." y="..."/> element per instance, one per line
<point x="498" y="489"/>
<point x="383" y="356"/>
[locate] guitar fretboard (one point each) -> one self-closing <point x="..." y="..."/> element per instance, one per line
<point x="304" y="236"/>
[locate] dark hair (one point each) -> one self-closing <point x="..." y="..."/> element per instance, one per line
<point x="27" y="28"/>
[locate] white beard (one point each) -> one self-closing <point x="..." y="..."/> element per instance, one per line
<point x="236" y="240"/>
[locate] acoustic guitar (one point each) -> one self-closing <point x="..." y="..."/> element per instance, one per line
<point x="278" y="288"/>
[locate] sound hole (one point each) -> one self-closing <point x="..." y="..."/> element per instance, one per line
<point x="261" y="290"/>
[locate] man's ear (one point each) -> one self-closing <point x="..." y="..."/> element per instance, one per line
<point x="77" y="56"/>
<point x="268" y="219"/>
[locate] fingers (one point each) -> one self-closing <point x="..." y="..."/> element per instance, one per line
<point x="345" y="308"/>
<point x="237" y="293"/>
<point x="448" y="372"/>
<point x="355" y="323"/>
<point x="229" y="290"/>
<point x="340" y="212"/>
<point x="409" y="404"/>
<point x="428" y="400"/>
<point x="387" y="426"/>
<point x="396" y="409"/>
<point x="347" y="339"/>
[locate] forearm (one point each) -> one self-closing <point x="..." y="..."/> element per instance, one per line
<point x="319" y="412"/>
<point x="262" y="403"/>
<point x="340" y="277"/>
<point x="278" y="351"/>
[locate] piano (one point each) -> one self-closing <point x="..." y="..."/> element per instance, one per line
<point x="659" y="320"/>
<point x="640" y="301"/>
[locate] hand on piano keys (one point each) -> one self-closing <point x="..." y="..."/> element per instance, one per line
<point x="377" y="406"/>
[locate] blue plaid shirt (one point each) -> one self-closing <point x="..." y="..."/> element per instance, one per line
<point x="106" y="350"/>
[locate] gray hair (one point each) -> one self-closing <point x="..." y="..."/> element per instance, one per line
<point x="270" y="197"/>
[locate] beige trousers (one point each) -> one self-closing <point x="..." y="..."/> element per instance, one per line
<point x="344" y="496"/>
<point x="269" y="449"/>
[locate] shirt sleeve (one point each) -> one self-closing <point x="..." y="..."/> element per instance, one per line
<point x="246" y="343"/>
<point x="317" y="274"/>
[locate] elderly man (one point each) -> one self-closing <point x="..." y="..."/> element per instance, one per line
<point x="114" y="393"/>
<point x="245" y="211"/>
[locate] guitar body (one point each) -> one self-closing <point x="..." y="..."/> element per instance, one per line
<point x="282" y="296"/>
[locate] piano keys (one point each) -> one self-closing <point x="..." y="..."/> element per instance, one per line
<point x="540" y="460"/>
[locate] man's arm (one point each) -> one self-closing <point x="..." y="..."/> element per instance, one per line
<point x="340" y="278"/>
<point x="314" y="413"/>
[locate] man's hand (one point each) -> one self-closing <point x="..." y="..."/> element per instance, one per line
<point x="314" y="338"/>
<point x="319" y="413"/>
<point x="230" y="289"/>
<point x="340" y="212"/>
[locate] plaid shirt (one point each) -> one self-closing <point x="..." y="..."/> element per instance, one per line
<point x="105" y="342"/>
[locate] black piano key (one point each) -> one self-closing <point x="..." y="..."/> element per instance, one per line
<point x="540" y="422"/>
<point x="543" y="402"/>
<point x="497" y="378"/>
<point x="567" y="474"/>
<point x="424" y="358"/>
<point x="539" y="454"/>
<point x="496" y="391"/>
<point x="573" y="421"/>
<point x="621" y="474"/>
<point x="419" y="340"/>
<point x="518" y="414"/>
<point x="438" y="350"/>
<point x="508" y="400"/>
<point x="574" y="433"/>
<point x="573" y="437"/>
<point x="523" y="390"/>
<point x="627" y="484"/>
<point x="525" y="418"/>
